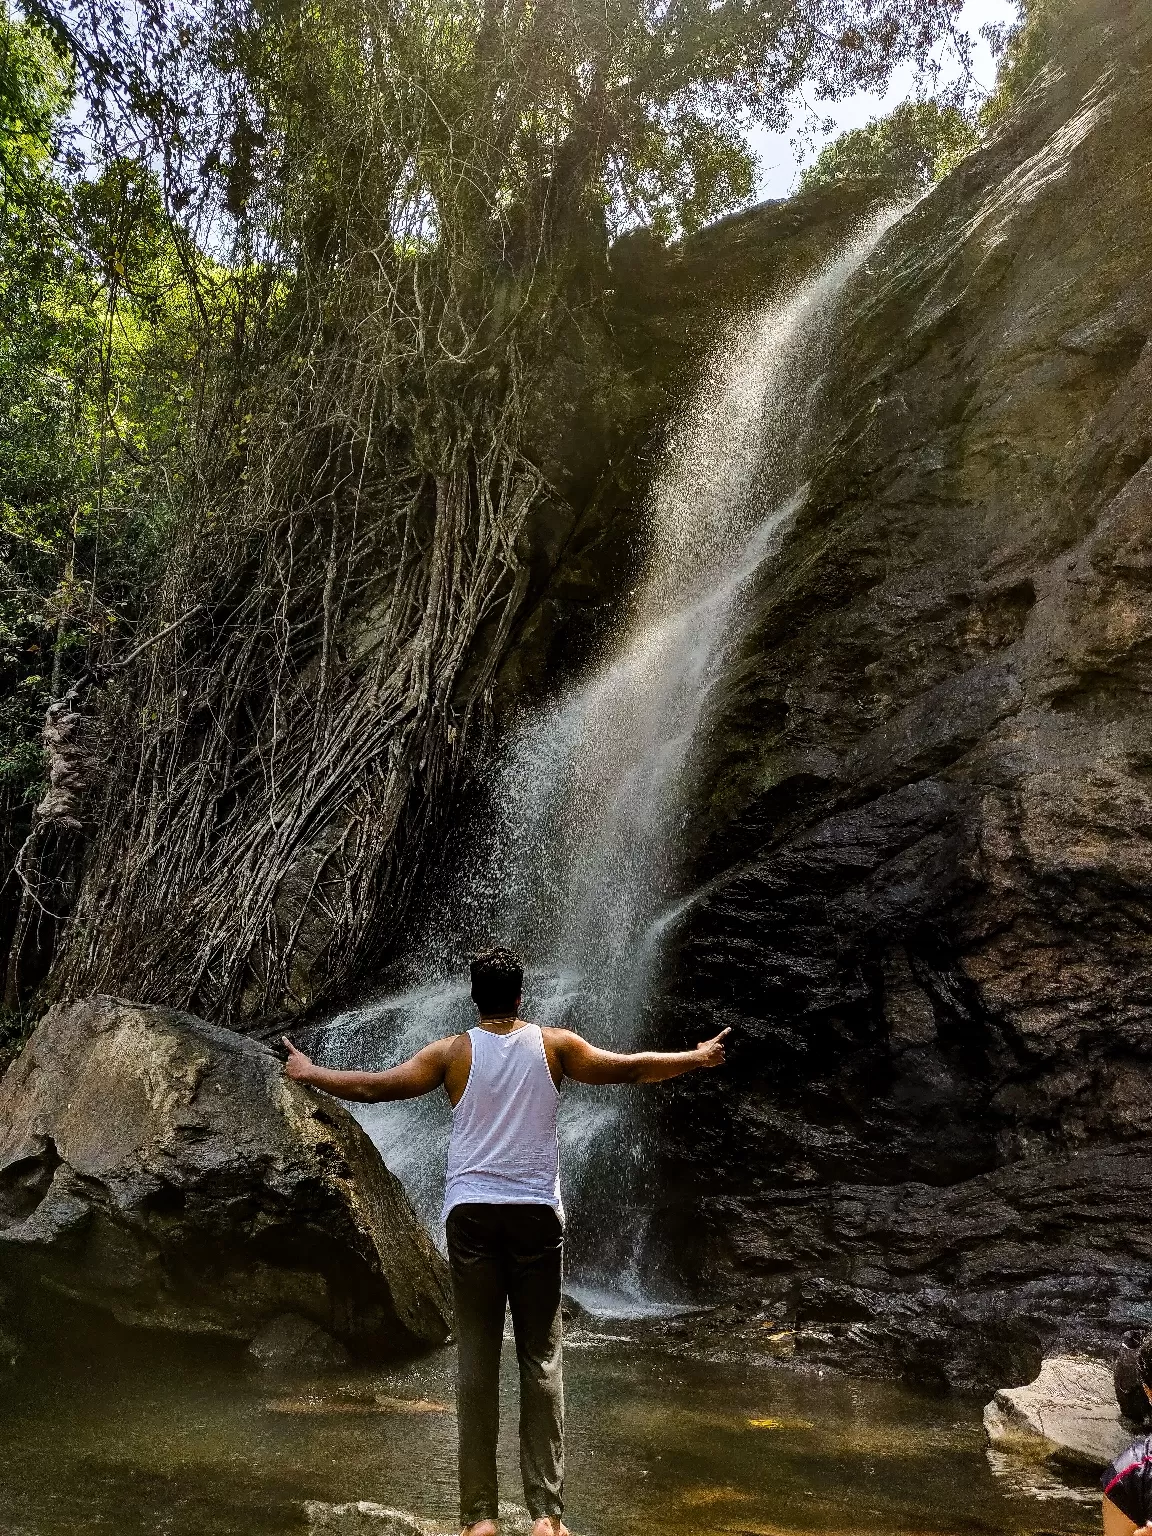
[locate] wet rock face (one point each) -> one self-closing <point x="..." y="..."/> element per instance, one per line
<point x="163" y="1170"/>
<point x="923" y="830"/>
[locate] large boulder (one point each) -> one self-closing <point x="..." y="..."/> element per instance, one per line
<point x="1068" y="1415"/>
<point x="165" y="1171"/>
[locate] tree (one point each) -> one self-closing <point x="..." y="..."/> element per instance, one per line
<point x="84" y="333"/>
<point x="1023" y="49"/>
<point x="388" y="216"/>
<point x="911" y="147"/>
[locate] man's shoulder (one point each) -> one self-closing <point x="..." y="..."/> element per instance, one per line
<point x="450" y="1045"/>
<point x="557" y="1039"/>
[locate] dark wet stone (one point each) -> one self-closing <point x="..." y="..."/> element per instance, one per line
<point x="293" y="1343"/>
<point x="164" y="1171"/>
<point x="922" y="829"/>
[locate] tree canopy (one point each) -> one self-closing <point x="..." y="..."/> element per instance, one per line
<point x="922" y="139"/>
<point x="268" y="394"/>
<point x="912" y="147"/>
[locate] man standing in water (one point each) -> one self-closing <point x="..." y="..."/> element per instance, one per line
<point x="504" y="1216"/>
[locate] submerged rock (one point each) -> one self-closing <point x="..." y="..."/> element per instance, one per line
<point x="1067" y="1415"/>
<point x="9" y="1345"/>
<point x="164" y="1171"/>
<point x="292" y="1343"/>
<point x="364" y="1518"/>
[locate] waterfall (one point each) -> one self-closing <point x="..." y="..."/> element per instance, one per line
<point x="576" y="864"/>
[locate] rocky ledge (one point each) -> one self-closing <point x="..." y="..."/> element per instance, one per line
<point x="163" y="1170"/>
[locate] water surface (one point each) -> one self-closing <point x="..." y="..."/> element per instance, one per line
<point x="162" y="1440"/>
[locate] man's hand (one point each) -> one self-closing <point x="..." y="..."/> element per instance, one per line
<point x="711" y="1051"/>
<point x="298" y="1066"/>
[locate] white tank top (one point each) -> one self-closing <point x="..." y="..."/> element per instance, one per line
<point x="504" y="1148"/>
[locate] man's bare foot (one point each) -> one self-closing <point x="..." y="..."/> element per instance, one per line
<point x="481" y="1528"/>
<point x="550" y="1525"/>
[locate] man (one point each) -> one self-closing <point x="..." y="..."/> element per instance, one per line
<point x="1127" y="1483"/>
<point x="503" y="1214"/>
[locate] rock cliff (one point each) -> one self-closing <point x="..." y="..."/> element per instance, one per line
<point x="163" y="1171"/>
<point x="922" y="838"/>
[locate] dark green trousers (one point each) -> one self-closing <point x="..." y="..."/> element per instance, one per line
<point x="514" y="1255"/>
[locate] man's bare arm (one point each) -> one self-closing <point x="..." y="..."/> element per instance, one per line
<point x="589" y="1064"/>
<point x="418" y="1075"/>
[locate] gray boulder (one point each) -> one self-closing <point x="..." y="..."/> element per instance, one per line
<point x="1067" y="1415"/>
<point x="164" y="1171"/>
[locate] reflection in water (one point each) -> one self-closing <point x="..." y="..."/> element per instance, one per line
<point x="152" y="1440"/>
<point x="1033" y="1480"/>
<point x="578" y="860"/>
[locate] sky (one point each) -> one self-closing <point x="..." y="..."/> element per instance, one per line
<point x="779" y="164"/>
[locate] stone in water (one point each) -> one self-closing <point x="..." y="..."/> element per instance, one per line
<point x="1068" y="1414"/>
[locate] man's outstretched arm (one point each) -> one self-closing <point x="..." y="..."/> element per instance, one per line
<point x="589" y="1064"/>
<point x="419" y="1074"/>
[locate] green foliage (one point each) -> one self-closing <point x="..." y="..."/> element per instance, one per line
<point x="90" y="327"/>
<point x="912" y="147"/>
<point x="35" y="86"/>
<point x="1024" y="49"/>
<point x="687" y="172"/>
<point x="922" y="140"/>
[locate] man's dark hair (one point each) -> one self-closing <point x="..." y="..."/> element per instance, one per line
<point x="497" y="981"/>
<point x="1144" y="1359"/>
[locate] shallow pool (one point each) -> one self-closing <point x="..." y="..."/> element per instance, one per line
<point x="169" y="1440"/>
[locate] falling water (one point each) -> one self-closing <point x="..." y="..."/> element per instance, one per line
<point x="577" y="864"/>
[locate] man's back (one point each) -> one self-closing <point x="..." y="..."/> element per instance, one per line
<point x="504" y="1148"/>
